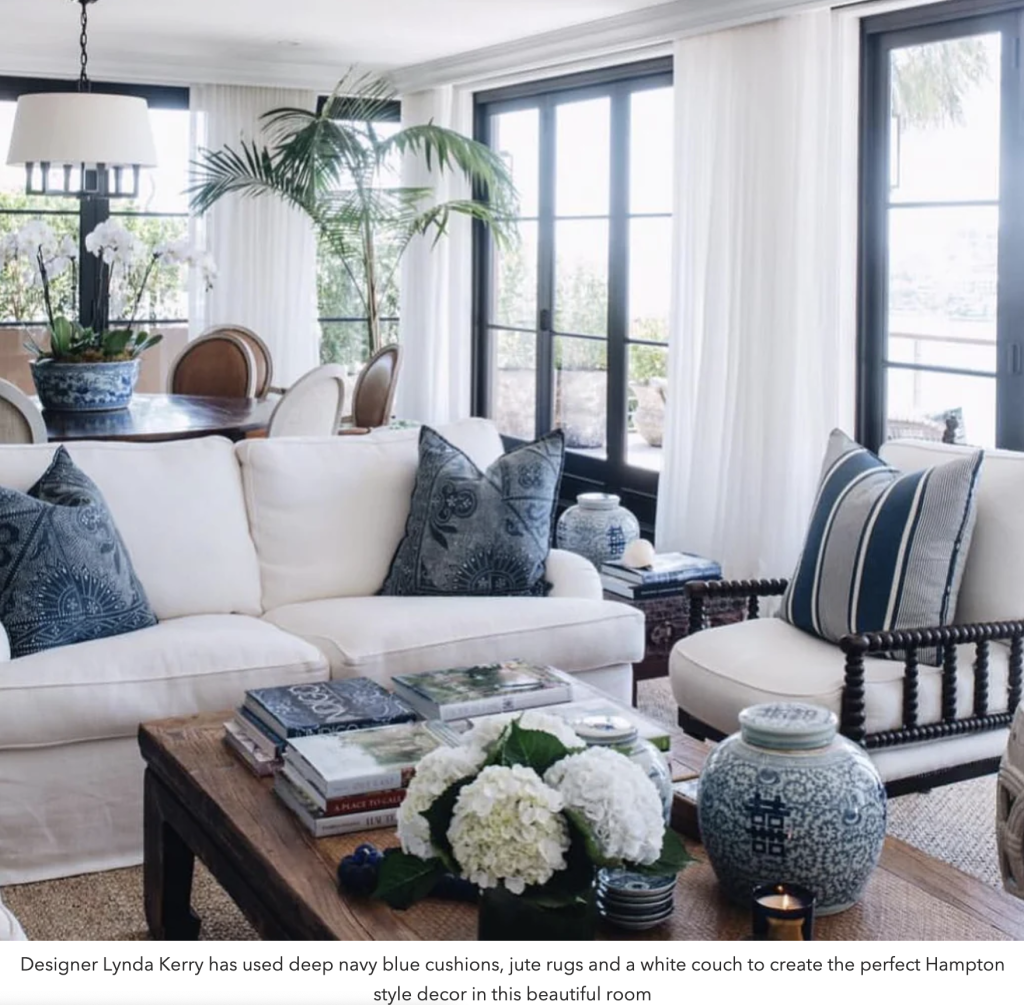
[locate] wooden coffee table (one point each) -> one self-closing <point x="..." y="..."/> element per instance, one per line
<point x="200" y="800"/>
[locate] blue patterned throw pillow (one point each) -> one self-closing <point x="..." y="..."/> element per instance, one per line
<point x="884" y="550"/>
<point x="474" y="533"/>
<point x="65" y="574"/>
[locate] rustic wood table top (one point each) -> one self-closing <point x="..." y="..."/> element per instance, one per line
<point x="156" y="417"/>
<point x="200" y="800"/>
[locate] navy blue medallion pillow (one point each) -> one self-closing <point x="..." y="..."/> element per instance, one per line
<point x="884" y="550"/>
<point x="474" y="533"/>
<point x="65" y="574"/>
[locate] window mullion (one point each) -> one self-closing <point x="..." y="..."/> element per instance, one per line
<point x="91" y="213"/>
<point x="618" y="280"/>
<point x="546" y="268"/>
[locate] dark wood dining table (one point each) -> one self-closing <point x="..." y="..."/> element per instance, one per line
<point x="156" y="417"/>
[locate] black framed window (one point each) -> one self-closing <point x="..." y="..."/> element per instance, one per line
<point x="571" y="325"/>
<point x="942" y="225"/>
<point x="160" y="213"/>
<point x="343" y="320"/>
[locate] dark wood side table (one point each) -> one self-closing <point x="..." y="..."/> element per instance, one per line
<point x="667" y="621"/>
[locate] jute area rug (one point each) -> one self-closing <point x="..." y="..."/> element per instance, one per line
<point x="955" y="823"/>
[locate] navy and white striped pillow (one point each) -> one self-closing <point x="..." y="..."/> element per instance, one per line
<point x="884" y="550"/>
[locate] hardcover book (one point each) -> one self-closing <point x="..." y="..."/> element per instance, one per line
<point x="330" y="706"/>
<point x="363" y="802"/>
<point x="366" y="760"/>
<point x="256" y="760"/>
<point x="464" y="692"/>
<point x="320" y="825"/>
<point x="259" y="733"/>
<point x="669" y="567"/>
<point x="628" y="591"/>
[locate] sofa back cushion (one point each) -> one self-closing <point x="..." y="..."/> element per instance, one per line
<point x="327" y="514"/>
<point x="180" y="511"/>
<point x="993" y="582"/>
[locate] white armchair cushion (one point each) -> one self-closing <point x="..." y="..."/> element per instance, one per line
<point x="5" y="645"/>
<point x="379" y="637"/>
<point x="10" y="930"/>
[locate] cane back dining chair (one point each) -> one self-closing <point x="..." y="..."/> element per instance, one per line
<point x="374" y="393"/>
<point x="20" y="420"/>
<point x="219" y="365"/>
<point x="312" y="406"/>
<point x="264" y="383"/>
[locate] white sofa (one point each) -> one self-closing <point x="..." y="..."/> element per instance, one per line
<point x="718" y="672"/>
<point x="261" y="562"/>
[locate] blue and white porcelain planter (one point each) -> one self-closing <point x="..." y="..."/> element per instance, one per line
<point x="85" y="387"/>
<point x="597" y="527"/>
<point x="786" y="800"/>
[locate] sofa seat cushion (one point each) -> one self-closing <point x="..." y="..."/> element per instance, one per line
<point x="379" y="637"/>
<point x="105" y="688"/>
<point x="719" y="672"/>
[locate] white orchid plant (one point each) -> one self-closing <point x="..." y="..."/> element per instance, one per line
<point x="524" y="804"/>
<point x="38" y="257"/>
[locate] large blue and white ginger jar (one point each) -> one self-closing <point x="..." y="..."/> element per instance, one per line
<point x="787" y="800"/>
<point x="85" y="387"/>
<point x="597" y="527"/>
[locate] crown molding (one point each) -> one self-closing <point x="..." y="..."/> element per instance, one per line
<point x="637" y="29"/>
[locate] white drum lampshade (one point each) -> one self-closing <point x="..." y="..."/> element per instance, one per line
<point x="82" y="129"/>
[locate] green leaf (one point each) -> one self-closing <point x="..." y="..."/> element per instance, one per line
<point x="674" y="857"/>
<point x="575" y="882"/>
<point x="61" y="336"/>
<point x="405" y="879"/>
<point x="439" y="817"/>
<point x="115" y="342"/>
<point x="532" y="748"/>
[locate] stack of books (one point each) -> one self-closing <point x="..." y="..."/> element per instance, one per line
<point x="338" y="783"/>
<point x="464" y="692"/>
<point x="271" y="716"/>
<point x="667" y="575"/>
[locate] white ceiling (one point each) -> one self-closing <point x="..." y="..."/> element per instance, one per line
<point x="299" y="42"/>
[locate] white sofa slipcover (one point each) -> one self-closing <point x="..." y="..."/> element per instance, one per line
<point x="718" y="672"/>
<point x="10" y="930"/>
<point x="261" y="563"/>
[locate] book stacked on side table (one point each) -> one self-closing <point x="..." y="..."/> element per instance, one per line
<point x="271" y="716"/>
<point x="353" y="781"/>
<point x="463" y="692"/>
<point x="668" y="574"/>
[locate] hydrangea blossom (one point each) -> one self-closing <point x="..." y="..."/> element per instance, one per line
<point x="437" y="772"/>
<point x="508" y="827"/>
<point x="617" y="799"/>
<point x="486" y="732"/>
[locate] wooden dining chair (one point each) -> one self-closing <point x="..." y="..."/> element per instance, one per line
<point x="260" y="352"/>
<point x="20" y="420"/>
<point x="312" y="406"/>
<point x="219" y="365"/>
<point x="374" y="393"/>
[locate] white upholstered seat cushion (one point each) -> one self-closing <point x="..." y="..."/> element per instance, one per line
<point x="180" y="510"/>
<point x="379" y="637"/>
<point x="10" y="930"/>
<point x="719" y="672"/>
<point x="105" y="688"/>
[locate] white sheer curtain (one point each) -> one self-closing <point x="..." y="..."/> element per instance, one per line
<point x="761" y="364"/>
<point x="265" y="250"/>
<point x="436" y="281"/>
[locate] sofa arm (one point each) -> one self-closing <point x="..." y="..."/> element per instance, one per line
<point x="572" y="575"/>
<point x="701" y="591"/>
<point x="5" y="646"/>
<point x="906" y="644"/>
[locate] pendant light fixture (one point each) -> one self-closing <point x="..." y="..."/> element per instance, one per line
<point x="79" y="143"/>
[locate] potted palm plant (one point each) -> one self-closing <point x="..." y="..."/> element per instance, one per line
<point x="92" y="368"/>
<point x="337" y="167"/>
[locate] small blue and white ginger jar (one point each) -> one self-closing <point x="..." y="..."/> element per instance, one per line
<point x="597" y="527"/>
<point x="85" y="387"/>
<point x="787" y="800"/>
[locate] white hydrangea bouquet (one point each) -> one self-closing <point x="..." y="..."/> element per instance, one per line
<point x="523" y="806"/>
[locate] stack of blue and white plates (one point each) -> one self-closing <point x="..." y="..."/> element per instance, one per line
<point x="634" y="901"/>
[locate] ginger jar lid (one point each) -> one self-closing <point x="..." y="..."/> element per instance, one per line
<point x="597" y="500"/>
<point x="788" y="726"/>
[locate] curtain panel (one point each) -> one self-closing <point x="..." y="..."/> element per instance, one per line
<point x="265" y="250"/>
<point x="762" y="348"/>
<point x="436" y="309"/>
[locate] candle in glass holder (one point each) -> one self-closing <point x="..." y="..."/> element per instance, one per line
<point x="783" y="912"/>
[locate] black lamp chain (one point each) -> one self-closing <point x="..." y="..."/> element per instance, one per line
<point x="83" y="80"/>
